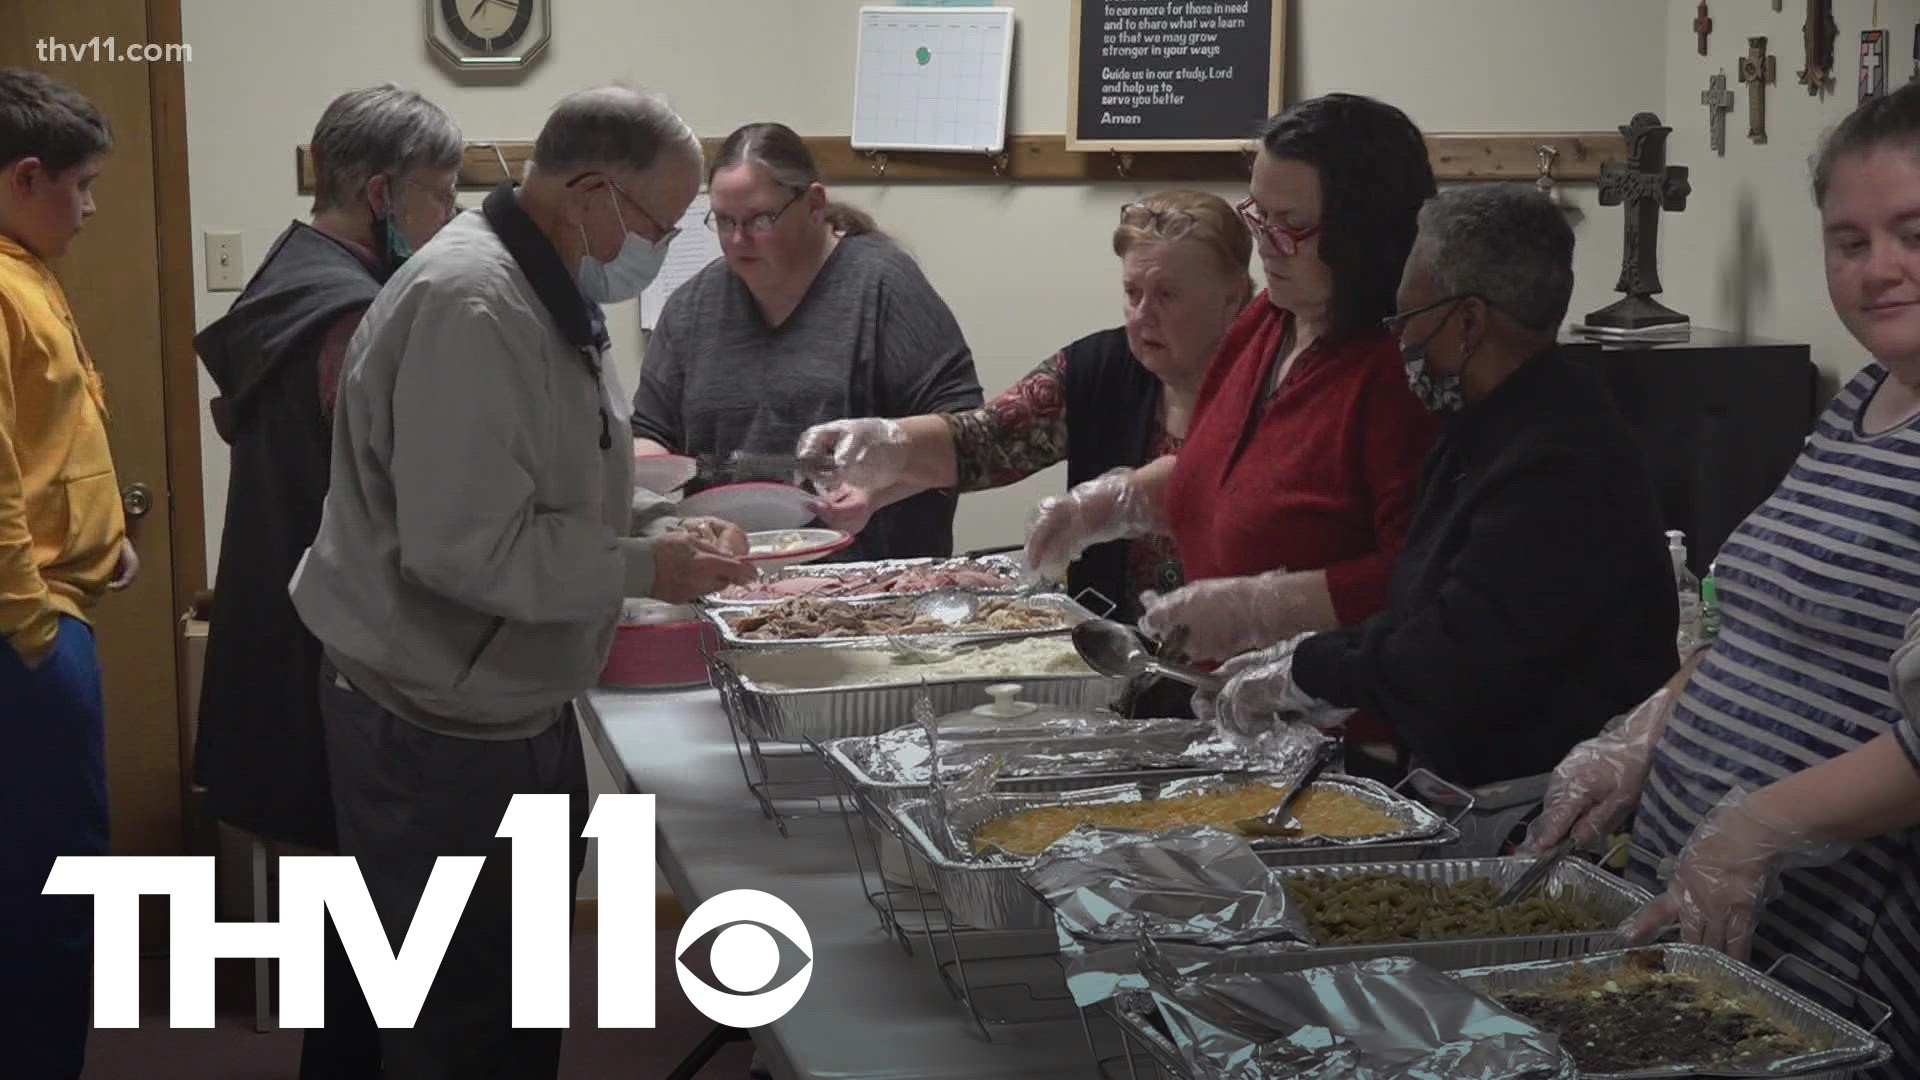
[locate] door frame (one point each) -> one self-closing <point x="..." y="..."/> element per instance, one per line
<point x="186" y="501"/>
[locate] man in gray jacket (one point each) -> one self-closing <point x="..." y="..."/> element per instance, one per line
<point x="479" y="537"/>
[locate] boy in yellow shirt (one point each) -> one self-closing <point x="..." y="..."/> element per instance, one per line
<point x="63" y="543"/>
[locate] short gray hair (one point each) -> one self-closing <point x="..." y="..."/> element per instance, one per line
<point x="382" y="129"/>
<point x="1505" y="243"/>
<point x="612" y="125"/>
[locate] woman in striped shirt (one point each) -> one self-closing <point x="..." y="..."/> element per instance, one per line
<point x="1776" y="780"/>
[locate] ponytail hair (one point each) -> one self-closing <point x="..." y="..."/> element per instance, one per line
<point x="778" y="149"/>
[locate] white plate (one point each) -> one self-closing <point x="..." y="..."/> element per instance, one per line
<point x="755" y="507"/>
<point x="663" y="474"/>
<point x="777" y="549"/>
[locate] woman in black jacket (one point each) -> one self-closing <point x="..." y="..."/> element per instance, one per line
<point x="1127" y="392"/>
<point x="1534" y="598"/>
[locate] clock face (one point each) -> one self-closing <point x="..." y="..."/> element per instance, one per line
<point x="489" y="33"/>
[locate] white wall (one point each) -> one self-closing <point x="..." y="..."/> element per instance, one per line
<point x="1026" y="269"/>
<point x="1698" y="266"/>
<point x="261" y="75"/>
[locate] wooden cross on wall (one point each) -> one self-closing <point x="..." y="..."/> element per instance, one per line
<point x="1719" y="101"/>
<point x="1757" y="72"/>
<point x="1702" y="25"/>
<point x="1819" y="34"/>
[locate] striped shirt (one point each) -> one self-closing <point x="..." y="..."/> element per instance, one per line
<point x="1816" y="587"/>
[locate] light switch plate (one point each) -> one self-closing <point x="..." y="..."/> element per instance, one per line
<point x="225" y="272"/>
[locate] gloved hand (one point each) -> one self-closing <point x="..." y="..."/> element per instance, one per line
<point x="1260" y="693"/>
<point x="1726" y="874"/>
<point x="1109" y="507"/>
<point x="1227" y="616"/>
<point x="867" y="453"/>
<point x="1596" y="786"/>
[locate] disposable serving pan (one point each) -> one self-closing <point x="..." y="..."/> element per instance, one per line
<point x="1610" y="897"/>
<point x="987" y="893"/>
<point x="1849" y="1046"/>
<point x="828" y="713"/>
<point x="999" y="564"/>
<point x="1072" y="614"/>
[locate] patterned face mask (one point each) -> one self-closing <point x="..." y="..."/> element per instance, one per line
<point x="1441" y="394"/>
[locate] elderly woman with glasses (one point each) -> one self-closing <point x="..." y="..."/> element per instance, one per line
<point x="385" y="164"/>
<point x="811" y="315"/>
<point x="1128" y="392"/>
<point x="1533" y="599"/>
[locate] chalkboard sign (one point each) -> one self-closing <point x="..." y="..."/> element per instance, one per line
<point x="1173" y="74"/>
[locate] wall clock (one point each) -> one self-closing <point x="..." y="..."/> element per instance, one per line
<point x="489" y="34"/>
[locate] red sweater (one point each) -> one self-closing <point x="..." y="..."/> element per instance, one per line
<point x="1324" y="476"/>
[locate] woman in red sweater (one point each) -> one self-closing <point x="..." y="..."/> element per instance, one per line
<point x="1302" y="460"/>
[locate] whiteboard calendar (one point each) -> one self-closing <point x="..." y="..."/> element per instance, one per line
<point x="933" y="79"/>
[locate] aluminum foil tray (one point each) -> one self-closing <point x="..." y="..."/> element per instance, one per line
<point x="1852" y="1047"/>
<point x="986" y="892"/>
<point x="823" y="715"/>
<point x="1005" y="565"/>
<point x="1611" y="897"/>
<point x="1119" y="751"/>
<point x="1072" y="611"/>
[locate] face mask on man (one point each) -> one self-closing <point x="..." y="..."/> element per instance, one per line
<point x="1441" y="394"/>
<point x="629" y="272"/>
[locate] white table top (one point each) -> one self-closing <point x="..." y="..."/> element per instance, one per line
<point x="870" y="1012"/>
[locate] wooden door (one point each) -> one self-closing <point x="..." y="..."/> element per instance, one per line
<point x="129" y="278"/>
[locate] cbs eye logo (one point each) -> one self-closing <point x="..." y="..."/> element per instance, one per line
<point x="759" y="952"/>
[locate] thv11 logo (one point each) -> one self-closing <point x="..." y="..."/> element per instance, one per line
<point x="746" y="929"/>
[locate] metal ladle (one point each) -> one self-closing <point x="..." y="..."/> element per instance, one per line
<point x="1111" y="648"/>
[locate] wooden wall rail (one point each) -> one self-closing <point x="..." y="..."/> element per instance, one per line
<point x="1045" y="159"/>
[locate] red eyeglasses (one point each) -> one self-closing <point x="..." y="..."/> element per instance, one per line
<point x="1282" y="239"/>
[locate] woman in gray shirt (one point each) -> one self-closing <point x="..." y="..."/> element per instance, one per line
<point x="811" y="316"/>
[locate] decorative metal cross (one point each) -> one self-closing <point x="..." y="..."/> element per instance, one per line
<point x="1757" y="72"/>
<point x="1819" y="34"/>
<point x="1702" y="25"/>
<point x="1645" y="185"/>
<point x="1719" y="101"/>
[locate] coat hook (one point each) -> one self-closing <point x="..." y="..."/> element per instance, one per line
<point x="1123" y="163"/>
<point x="1547" y="156"/>
<point x="879" y="160"/>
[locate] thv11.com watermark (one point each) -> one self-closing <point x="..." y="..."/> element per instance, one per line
<point x="741" y="931"/>
<point x="108" y="50"/>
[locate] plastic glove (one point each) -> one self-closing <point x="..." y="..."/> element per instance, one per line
<point x="1726" y="874"/>
<point x="1226" y="616"/>
<point x="868" y="453"/>
<point x="1596" y="786"/>
<point x="1904" y="669"/>
<point x="1109" y="507"/>
<point x="1260" y="693"/>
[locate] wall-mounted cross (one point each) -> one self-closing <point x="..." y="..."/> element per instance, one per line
<point x="1702" y="25"/>
<point x="1757" y="72"/>
<point x="1719" y="101"/>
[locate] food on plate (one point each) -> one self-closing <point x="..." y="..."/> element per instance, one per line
<point x="916" y="579"/>
<point x="779" y="543"/>
<point x="808" y="618"/>
<point x="818" y="669"/>
<point x="1641" y="1017"/>
<point x="1322" y="811"/>
<point x="1371" y="908"/>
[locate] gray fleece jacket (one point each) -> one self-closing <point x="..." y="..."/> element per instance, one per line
<point x="477" y="539"/>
